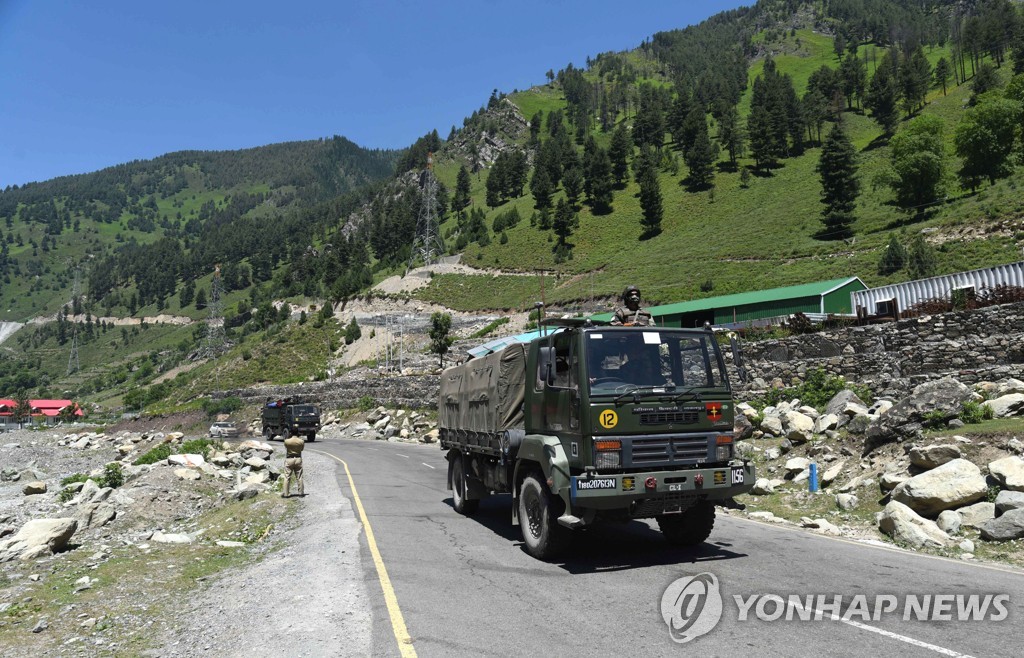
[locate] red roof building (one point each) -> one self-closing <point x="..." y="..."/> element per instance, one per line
<point x="42" y="411"/>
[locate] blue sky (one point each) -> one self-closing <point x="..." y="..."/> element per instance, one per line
<point x="87" y="85"/>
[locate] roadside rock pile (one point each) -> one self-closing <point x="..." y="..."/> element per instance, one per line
<point x="120" y="501"/>
<point x="931" y="491"/>
<point x="383" y="424"/>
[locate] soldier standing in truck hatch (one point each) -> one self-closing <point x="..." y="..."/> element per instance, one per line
<point x="293" y="446"/>
<point x="630" y="313"/>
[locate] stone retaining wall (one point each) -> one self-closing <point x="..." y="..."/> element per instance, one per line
<point x="892" y="358"/>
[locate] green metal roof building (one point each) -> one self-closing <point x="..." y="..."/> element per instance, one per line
<point x="757" y="307"/>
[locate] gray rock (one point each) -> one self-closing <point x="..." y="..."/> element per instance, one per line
<point x="171" y="538"/>
<point x="1008" y="472"/>
<point x="742" y="428"/>
<point x="974" y="515"/>
<point x="1009" y="500"/>
<point x="826" y="422"/>
<point x="949" y="521"/>
<point x="1006" y="527"/>
<point x="967" y="546"/>
<point x="772" y="425"/>
<point x="833" y="471"/>
<point x="846" y="501"/>
<point x="859" y="424"/>
<point x="90" y="515"/>
<point x="954" y="484"/>
<point x="796" y="465"/>
<point x="772" y="453"/>
<point x="37" y="538"/>
<point x="928" y="457"/>
<point x="840" y="401"/>
<point x="891" y="480"/>
<point x="1007" y="405"/>
<point x="945" y="396"/>
<point x="34" y="488"/>
<point x="763" y="487"/>
<point x="904" y="525"/>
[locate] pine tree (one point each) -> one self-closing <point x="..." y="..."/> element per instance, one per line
<point x="541" y="188"/>
<point x="942" y="72"/>
<point x="839" y="185"/>
<point x="915" y="77"/>
<point x="564" y="223"/>
<point x="650" y="201"/>
<point x="600" y="183"/>
<point x="893" y="258"/>
<point x="700" y="158"/>
<point x="572" y="183"/>
<point x="460" y="200"/>
<point x="883" y="94"/>
<point x="619" y="151"/>
<point x="921" y="259"/>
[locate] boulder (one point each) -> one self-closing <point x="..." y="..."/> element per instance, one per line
<point x="1006" y="527"/>
<point x="826" y="422"/>
<point x="945" y="396"/>
<point x="1007" y="405"/>
<point x="891" y="480"/>
<point x="171" y="538"/>
<point x="771" y="425"/>
<point x="847" y="501"/>
<point x="833" y="471"/>
<point x="841" y="401"/>
<point x="974" y="515"/>
<point x="904" y="525"/>
<point x="741" y="427"/>
<point x="92" y="515"/>
<point x="929" y="457"/>
<point x="1009" y="500"/>
<point x="799" y="427"/>
<point x="859" y="424"/>
<point x="1008" y="472"/>
<point x="796" y="465"/>
<point x="949" y="521"/>
<point x="763" y="487"/>
<point x="954" y="484"/>
<point x="193" y="461"/>
<point x="1009" y="386"/>
<point x="34" y="488"/>
<point x="37" y="538"/>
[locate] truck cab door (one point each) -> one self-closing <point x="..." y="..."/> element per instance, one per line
<point x="561" y="399"/>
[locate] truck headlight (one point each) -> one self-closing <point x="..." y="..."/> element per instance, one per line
<point x="608" y="453"/>
<point x="723" y="449"/>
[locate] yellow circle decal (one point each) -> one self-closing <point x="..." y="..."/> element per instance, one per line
<point x="608" y="419"/>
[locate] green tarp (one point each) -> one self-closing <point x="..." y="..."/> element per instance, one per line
<point x="485" y="394"/>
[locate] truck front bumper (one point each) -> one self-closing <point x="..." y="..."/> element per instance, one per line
<point x="659" y="489"/>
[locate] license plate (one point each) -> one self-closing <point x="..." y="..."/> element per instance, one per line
<point x="737" y="476"/>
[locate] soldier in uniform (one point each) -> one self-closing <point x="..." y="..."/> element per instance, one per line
<point x="630" y="313"/>
<point x="293" y="446"/>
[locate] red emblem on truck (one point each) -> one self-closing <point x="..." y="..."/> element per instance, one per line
<point x="714" y="410"/>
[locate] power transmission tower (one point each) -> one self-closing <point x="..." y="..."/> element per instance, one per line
<point x="428" y="245"/>
<point x="73" y="364"/>
<point x="215" y="339"/>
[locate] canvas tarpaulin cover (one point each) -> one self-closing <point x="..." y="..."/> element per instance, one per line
<point x="485" y="394"/>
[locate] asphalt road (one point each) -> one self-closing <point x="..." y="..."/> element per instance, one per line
<point x="466" y="587"/>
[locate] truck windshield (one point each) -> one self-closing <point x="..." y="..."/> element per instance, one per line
<point x="303" y="409"/>
<point x="619" y="360"/>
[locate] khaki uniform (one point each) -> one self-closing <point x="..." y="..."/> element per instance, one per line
<point x="638" y="318"/>
<point x="293" y="446"/>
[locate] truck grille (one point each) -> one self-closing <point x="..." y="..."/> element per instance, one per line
<point x="669" y="418"/>
<point x="667" y="450"/>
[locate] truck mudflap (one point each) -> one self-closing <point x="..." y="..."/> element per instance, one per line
<point x="656" y="488"/>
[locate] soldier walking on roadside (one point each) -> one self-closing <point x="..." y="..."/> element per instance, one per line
<point x="293" y="446"/>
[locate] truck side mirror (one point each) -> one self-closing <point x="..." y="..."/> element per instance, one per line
<point x="545" y="362"/>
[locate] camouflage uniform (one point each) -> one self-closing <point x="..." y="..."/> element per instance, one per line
<point x="630" y="313"/>
<point x="293" y="446"/>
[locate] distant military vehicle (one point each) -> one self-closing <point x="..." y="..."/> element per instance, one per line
<point x="285" y="418"/>
<point x="595" y="422"/>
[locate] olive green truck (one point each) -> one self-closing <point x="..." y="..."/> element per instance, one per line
<point x="591" y="422"/>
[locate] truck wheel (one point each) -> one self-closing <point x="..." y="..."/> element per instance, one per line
<point x="538" y="518"/>
<point x="311" y="437"/>
<point x="691" y="527"/>
<point x="267" y="434"/>
<point x="459" y="502"/>
<point x="286" y="434"/>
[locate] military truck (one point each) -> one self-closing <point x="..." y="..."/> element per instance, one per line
<point x="593" y="422"/>
<point x="286" y="417"/>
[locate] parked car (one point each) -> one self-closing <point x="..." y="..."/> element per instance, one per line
<point x="223" y="430"/>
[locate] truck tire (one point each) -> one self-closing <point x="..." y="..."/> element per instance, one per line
<point x="459" y="502"/>
<point x="286" y="434"/>
<point x="538" y="519"/>
<point x="311" y="437"/>
<point x="691" y="527"/>
<point x="267" y="434"/>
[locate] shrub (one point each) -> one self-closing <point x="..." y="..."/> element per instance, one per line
<point x="222" y="406"/>
<point x="198" y="447"/>
<point x="71" y="479"/>
<point x="489" y="328"/>
<point x="157" y="454"/>
<point x="113" y="476"/>
<point x="817" y="389"/>
<point x="934" y="418"/>
<point x="366" y="403"/>
<point x="974" y="413"/>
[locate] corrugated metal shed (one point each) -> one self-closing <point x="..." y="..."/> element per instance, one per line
<point x="822" y="297"/>
<point x="878" y="300"/>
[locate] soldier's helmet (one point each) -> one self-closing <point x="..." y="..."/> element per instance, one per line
<point x="629" y="289"/>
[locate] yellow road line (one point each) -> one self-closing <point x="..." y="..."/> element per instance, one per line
<point x="397" y="621"/>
